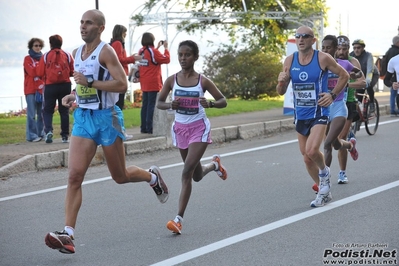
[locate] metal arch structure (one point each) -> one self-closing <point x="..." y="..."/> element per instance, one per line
<point x="165" y="17"/>
<point x="168" y="17"/>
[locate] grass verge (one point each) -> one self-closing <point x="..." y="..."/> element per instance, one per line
<point x="12" y="129"/>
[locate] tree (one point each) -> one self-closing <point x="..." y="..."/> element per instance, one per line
<point x="251" y="28"/>
<point x="247" y="74"/>
<point x="252" y="72"/>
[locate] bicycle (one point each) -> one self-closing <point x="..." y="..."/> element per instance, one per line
<point x="370" y="119"/>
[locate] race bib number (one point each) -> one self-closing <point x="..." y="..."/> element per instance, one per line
<point x="86" y="95"/>
<point x="189" y="102"/>
<point x="305" y="94"/>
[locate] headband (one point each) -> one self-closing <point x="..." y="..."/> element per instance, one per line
<point x="343" y="41"/>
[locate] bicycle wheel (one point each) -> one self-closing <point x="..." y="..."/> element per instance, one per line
<point x="373" y="118"/>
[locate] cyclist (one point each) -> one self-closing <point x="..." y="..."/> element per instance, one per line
<point x="369" y="69"/>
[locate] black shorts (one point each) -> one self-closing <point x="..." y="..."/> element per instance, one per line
<point x="352" y="110"/>
<point x="303" y="126"/>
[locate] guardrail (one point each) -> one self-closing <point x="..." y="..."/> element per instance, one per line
<point x="22" y="103"/>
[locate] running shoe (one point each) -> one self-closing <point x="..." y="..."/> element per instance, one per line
<point x="61" y="241"/>
<point x="65" y="140"/>
<point x="353" y="151"/>
<point x="321" y="200"/>
<point x="342" y="178"/>
<point x="220" y="170"/>
<point x="159" y="187"/>
<point x="128" y="137"/>
<point x="324" y="186"/>
<point x="49" y="137"/>
<point x="174" y="227"/>
<point x="315" y="187"/>
<point x="37" y="139"/>
<point x="350" y="135"/>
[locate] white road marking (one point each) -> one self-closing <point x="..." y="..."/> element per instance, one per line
<point x="271" y="226"/>
<point x="38" y="192"/>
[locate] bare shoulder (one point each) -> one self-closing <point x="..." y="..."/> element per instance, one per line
<point x="170" y="80"/>
<point x="326" y="60"/>
<point x="108" y="55"/>
<point x="354" y="62"/>
<point x="108" y="50"/>
<point x="289" y="59"/>
<point x="205" y="81"/>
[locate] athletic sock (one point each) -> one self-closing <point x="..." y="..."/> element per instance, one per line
<point x="178" y="219"/>
<point x="324" y="171"/>
<point x="153" y="179"/>
<point x="70" y="231"/>
<point x="216" y="165"/>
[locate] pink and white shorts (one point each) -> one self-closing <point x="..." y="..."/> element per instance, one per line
<point x="185" y="134"/>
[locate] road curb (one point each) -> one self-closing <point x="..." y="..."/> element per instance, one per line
<point x="57" y="159"/>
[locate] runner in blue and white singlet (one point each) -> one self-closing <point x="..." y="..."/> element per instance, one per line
<point x="307" y="83"/>
<point x="90" y="98"/>
<point x="97" y="121"/>
<point x="307" y="69"/>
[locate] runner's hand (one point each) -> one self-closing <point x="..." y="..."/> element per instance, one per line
<point x="325" y="99"/>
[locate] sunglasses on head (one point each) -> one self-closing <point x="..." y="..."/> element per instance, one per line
<point x="303" y="35"/>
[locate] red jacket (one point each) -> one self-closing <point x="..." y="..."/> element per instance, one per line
<point x="150" y="71"/>
<point x="32" y="82"/>
<point x="42" y="66"/>
<point x="121" y="53"/>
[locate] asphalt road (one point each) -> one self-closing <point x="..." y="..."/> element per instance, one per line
<point x="259" y="216"/>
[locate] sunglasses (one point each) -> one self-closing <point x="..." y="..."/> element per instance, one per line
<point x="303" y="35"/>
<point x="37" y="45"/>
<point x="356" y="47"/>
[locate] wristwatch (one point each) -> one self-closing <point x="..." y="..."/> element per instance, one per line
<point x="90" y="81"/>
<point x="211" y="104"/>
<point x="333" y="96"/>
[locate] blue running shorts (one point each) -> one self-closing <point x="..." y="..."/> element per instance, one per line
<point x="338" y="109"/>
<point x="303" y="126"/>
<point x="102" y="126"/>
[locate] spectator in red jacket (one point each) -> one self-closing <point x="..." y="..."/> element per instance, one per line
<point x="151" y="77"/>
<point x="118" y="43"/>
<point x="55" y="91"/>
<point x="33" y="84"/>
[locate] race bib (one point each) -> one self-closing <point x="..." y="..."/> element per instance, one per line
<point x="305" y="94"/>
<point x="189" y="102"/>
<point x="86" y="95"/>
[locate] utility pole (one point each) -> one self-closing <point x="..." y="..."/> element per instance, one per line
<point x="97" y="4"/>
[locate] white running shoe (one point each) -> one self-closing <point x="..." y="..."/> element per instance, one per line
<point x="321" y="200"/>
<point x="324" y="186"/>
<point x="342" y="178"/>
<point x="160" y="188"/>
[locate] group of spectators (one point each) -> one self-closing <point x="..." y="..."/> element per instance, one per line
<point x="42" y="94"/>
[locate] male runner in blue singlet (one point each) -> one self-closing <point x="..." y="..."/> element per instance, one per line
<point x="308" y="70"/>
